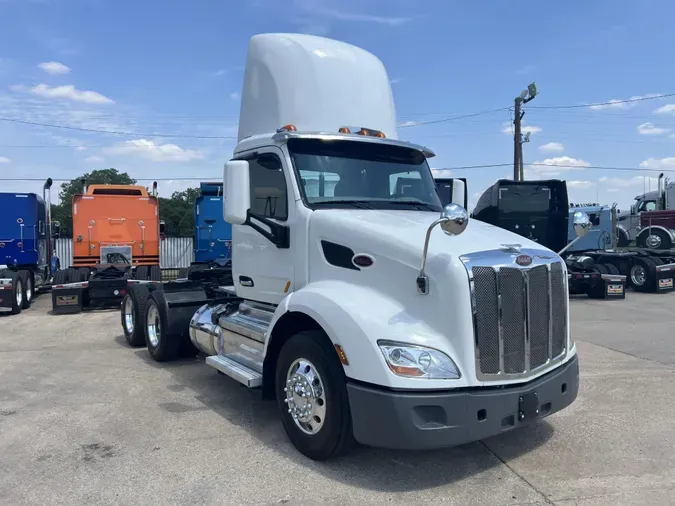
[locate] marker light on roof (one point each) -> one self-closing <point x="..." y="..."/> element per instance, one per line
<point x="345" y="130"/>
<point x="287" y="128"/>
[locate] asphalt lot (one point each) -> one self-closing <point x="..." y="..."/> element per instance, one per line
<point x="84" y="419"/>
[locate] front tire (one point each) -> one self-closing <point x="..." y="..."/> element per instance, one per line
<point x="311" y="393"/>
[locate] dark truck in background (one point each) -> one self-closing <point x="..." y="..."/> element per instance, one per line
<point x="539" y="210"/>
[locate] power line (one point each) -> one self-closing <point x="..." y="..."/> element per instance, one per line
<point x="114" y="132"/>
<point x="454" y="118"/>
<point x="461" y="167"/>
<point x="599" y="104"/>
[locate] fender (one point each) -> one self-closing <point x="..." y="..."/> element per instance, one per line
<point x="338" y="307"/>
<point x="645" y="232"/>
<point x="622" y="232"/>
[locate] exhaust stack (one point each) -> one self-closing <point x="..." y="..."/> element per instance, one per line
<point x="47" y="198"/>
<point x="661" y="203"/>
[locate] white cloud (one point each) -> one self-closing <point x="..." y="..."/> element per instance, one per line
<point x="666" y="109"/>
<point x="4" y="159"/>
<point x="80" y="148"/>
<point x="629" y="182"/>
<point x="54" y="68"/>
<point x="508" y="128"/>
<point x="553" y="166"/>
<point x="94" y="159"/>
<point x="407" y="124"/>
<point x="67" y="92"/>
<point x="552" y="146"/>
<point x="616" y="103"/>
<point x="650" y="129"/>
<point x="155" y="152"/>
<point x="395" y="80"/>
<point x="441" y="173"/>
<point x="235" y="95"/>
<point x="658" y="163"/>
<point x="581" y="185"/>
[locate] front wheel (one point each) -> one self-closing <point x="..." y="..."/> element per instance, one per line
<point x="312" y="396"/>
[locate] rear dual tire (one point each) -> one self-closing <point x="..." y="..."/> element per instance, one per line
<point x="18" y="290"/>
<point x="132" y="314"/>
<point x="163" y="342"/>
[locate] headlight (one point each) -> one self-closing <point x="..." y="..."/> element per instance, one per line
<point x="412" y="361"/>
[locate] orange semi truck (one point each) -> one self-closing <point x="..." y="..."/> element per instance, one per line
<point x="116" y="238"/>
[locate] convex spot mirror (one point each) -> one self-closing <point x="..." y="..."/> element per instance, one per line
<point x="582" y="223"/>
<point x="454" y="219"/>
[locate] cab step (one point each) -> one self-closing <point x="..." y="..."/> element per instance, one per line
<point x="235" y="370"/>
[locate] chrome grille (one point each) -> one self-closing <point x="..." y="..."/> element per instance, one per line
<point x="520" y="313"/>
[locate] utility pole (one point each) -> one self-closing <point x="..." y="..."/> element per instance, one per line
<point x="518" y="139"/>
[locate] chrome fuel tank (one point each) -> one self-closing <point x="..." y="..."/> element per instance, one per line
<point x="204" y="334"/>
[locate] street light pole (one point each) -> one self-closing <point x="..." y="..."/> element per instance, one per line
<point x="518" y="139"/>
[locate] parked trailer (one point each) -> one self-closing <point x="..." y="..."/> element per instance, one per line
<point x="326" y="311"/>
<point x="539" y="211"/>
<point x="116" y="234"/>
<point x="27" y="256"/>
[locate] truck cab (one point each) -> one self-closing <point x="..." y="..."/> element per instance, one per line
<point x="212" y="234"/>
<point x="27" y="257"/>
<point x="366" y="308"/>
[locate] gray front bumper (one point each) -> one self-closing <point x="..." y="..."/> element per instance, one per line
<point x="422" y="420"/>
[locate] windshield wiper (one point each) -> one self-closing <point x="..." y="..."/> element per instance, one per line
<point x="415" y="203"/>
<point x="355" y="203"/>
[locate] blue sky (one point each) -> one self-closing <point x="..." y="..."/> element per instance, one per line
<point x="175" y="68"/>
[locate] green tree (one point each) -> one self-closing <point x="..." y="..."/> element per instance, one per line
<point x="178" y="212"/>
<point x="64" y="211"/>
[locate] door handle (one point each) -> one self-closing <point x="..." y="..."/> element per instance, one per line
<point x="245" y="281"/>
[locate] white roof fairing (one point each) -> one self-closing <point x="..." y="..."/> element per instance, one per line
<point x="314" y="83"/>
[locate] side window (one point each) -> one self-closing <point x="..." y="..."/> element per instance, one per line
<point x="647" y="205"/>
<point x="269" y="196"/>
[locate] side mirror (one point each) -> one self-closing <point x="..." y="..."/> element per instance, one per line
<point x="582" y="224"/>
<point x="237" y="192"/>
<point x="454" y="219"/>
<point x="162" y="227"/>
<point x="632" y="209"/>
<point x="459" y="193"/>
<point x="56" y="229"/>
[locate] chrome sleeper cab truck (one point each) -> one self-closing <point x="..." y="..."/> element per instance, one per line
<point x="363" y="307"/>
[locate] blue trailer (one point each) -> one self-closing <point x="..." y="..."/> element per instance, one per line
<point x="27" y="256"/>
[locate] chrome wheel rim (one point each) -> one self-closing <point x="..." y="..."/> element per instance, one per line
<point x="305" y="396"/>
<point x="129" y="315"/>
<point x="29" y="289"/>
<point x="19" y="293"/>
<point x="653" y="241"/>
<point x="638" y="275"/>
<point x="154" y="328"/>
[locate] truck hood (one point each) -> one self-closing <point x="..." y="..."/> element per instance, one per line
<point x="405" y="231"/>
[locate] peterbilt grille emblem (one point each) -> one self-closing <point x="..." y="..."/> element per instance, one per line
<point x="523" y="260"/>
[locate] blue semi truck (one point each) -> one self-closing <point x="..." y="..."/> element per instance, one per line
<point x="212" y="237"/>
<point x="28" y="258"/>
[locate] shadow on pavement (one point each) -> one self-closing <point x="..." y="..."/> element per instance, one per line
<point x="368" y="468"/>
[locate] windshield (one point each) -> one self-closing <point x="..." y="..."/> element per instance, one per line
<point x="524" y="199"/>
<point x="363" y="174"/>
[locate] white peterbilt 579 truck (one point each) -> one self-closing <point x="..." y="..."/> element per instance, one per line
<point x="368" y="311"/>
